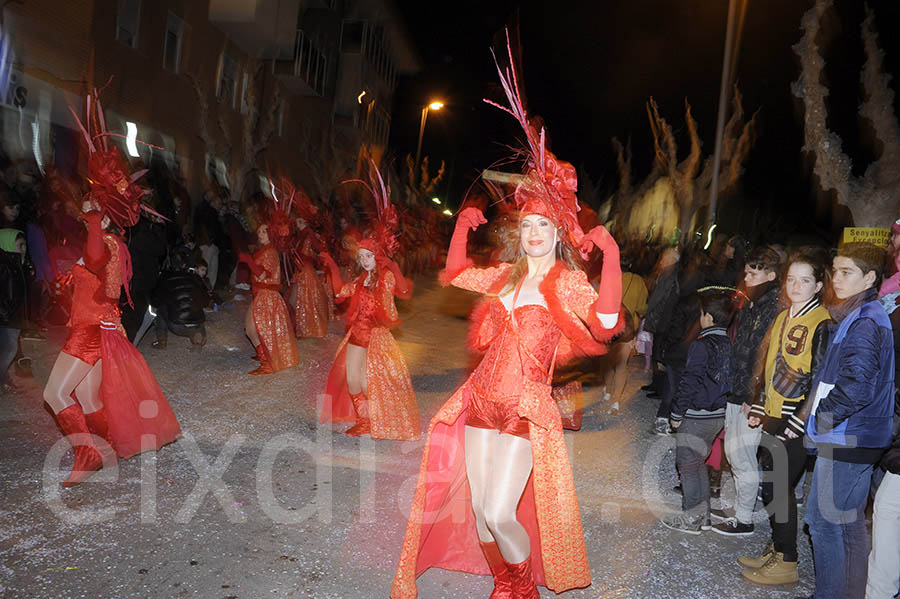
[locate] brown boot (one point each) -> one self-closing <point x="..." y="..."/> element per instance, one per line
<point x="98" y="424"/>
<point x="363" y="424"/>
<point x="774" y="571"/>
<point x="265" y="365"/>
<point x="522" y="580"/>
<point x="757" y="562"/>
<point x="87" y="459"/>
<point x="502" y="582"/>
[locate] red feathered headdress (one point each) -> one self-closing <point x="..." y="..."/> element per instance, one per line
<point x="113" y="186"/>
<point x="383" y="236"/>
<point x="549" y="185"/>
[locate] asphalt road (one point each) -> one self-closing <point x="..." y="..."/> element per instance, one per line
<point x="257" y="500"/>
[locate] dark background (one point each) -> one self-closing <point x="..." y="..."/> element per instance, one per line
<point x="589" y="68"/>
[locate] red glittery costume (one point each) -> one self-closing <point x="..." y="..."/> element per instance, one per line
<point x="510" y="391"/>
<point x="133" y="414"/>
<point x="393" y="411"/>
<point x="391" y="402"/>
<point x="311" y="302"/>
<point x="134" y="404"/>
<point x="278" y="347"/>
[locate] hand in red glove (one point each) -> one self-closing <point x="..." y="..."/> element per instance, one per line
<point x="609" y="298"/>
<point x="245" y="257"/>
<point x="403" y="287"/>
<point x="93" y="219"/>
<point x="469" y="218"/>
<point x="600" y="238"/>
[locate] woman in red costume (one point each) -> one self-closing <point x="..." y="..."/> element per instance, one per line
<point x="104" y="396"/>
<point x="369" y="382"/>
<point x="267" y="322"/>
<point x="308" y="294"/>
<point x="497" y="444"/>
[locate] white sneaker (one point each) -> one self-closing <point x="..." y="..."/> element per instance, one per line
<point x="606" y="396"/>
<point x="661" y="427"/>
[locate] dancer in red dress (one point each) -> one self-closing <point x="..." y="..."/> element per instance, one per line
<point x="369" y="383"/>
<point x="496" y="446"/>
<point x="308" y="295"/>
<point x="104" y="396"/>
<point x="267" y="323"/>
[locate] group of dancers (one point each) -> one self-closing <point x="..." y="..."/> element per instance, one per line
<point x="497" y="444"/>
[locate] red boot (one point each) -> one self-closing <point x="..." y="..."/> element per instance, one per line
<point x="502" y="582"/>
<point x="522" y="579"/>
<point x="363" y="424"/>
<point x="265" y="365"/>
<point x="98" y="424"/>
<point x="87" y="459"/>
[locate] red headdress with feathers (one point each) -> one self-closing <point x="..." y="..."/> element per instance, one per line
<point x="549" y="185"/>
<point x="113" y="186"/>
<point x="383" y="237"/>
<point x="282" y="228"/>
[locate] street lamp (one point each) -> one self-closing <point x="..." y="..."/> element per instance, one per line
<point x="436" y="200"/>
<point x="434" y="105"/>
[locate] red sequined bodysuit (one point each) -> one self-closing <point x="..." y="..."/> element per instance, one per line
<point x="366" y="317"/>
<point x="516" y="353"/>
<point x="93" y="306"/>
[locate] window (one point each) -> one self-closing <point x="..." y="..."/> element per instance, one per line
<point x="227" y="91"/>
<point x="127" y="21"/>
<point x="172" y="49"/>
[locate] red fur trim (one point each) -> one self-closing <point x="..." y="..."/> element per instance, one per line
<point x="583" y="341"/>
<point x="445" y="276"/>
<point x="606" y="335"/>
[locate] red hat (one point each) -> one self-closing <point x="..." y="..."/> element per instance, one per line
<point x="549" y="185"/>
<point x="383" y="238"/>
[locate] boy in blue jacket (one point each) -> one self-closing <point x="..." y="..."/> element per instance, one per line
<point x="850" y="421"/>
<point x="698" y="409"/>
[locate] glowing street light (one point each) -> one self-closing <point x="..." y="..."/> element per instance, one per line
<point x="447" y="212"/>
<point x="360" y="97"/>
<point x="436" y="200"/>
<point x="433" y="105"/>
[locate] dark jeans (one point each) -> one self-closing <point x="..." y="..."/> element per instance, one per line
<point x="693" y="442"/>
<point x="196" y="333"/>
<point x="668" y="395"/>
<point x="782" y="462"/>
<point x="835" y="513"/>
<point x="9" y="346"/>
<point x="132" y="317"/>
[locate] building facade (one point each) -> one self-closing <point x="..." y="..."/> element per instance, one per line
<point x="219" y="90"/>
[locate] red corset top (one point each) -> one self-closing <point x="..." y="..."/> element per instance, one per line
<point x="499" y="374"/>
<point x="86" y="310"/>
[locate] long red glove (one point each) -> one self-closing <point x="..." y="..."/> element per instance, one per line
<point x="96" y="255"/>
<point x="403" y="288"/>
<point x="457" y="261"/>
<point x="255" y="268"/>
<point x="336" y="282"/>
<point x="610" y="292"/>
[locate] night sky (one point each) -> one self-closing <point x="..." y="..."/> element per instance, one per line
<point x="589" y="68"/>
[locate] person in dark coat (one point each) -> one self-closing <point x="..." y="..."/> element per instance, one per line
<point x="698" y="410"/>
<point x="179" y="299"/>
<point x="13" y="289"/>
<point x="147" y="244"/>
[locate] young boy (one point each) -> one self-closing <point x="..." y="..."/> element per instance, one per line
<point x="698" y="409"/>
<point x="850" y="421"/>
